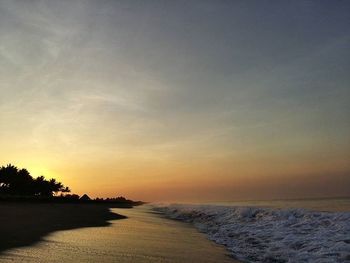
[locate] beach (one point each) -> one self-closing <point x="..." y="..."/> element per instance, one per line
<point x="23" y="224"/>
<point x="201" y="233"/>
<point x="90" y="233"/>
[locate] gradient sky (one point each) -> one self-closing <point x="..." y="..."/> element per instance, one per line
<point x="178" y="100"/>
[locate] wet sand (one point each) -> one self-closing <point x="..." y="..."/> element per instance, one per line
<point x="143" y="237"/>
<point x="23" y="224"/>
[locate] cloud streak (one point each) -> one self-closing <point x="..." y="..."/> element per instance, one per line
<point x="163" y="83"/>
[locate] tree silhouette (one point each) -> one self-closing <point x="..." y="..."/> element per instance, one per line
<point x="14" y="181"/>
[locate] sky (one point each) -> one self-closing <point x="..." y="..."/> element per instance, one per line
<point x="178" y="100"/>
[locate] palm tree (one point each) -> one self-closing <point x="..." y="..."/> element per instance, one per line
<point x="19" y="182"/>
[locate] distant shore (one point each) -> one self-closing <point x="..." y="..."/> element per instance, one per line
<point x="25" y="223"/>
<point x="114" y="202"/>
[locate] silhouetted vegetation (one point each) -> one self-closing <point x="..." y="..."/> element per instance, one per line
<point x="19" y="182"/>
<point x="18" y="185"/>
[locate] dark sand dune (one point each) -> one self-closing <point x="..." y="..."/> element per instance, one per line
<point x="22" y="224"/>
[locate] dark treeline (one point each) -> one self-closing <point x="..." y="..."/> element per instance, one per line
<point x="18" y="185"/>
<point x="19" y="182"/>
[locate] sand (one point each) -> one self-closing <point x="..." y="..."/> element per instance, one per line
<point x="144" y="236"/>
<point x="22" y="224"/>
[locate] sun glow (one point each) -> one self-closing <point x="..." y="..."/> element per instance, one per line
<point x="152" y="102"/>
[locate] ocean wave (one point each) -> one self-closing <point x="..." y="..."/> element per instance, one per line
<point x="254" y="234"/>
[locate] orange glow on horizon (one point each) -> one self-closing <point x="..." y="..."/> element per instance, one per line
<point x="155" y="102"/>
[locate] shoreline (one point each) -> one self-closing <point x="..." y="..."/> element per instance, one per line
<point x="24" y="224"/>
<point x="260" y="234"/>
<point x="144" y="236"/>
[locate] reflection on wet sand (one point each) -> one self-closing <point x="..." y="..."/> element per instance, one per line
<point x="143" y="237"/>
<point x="23" y="224"/>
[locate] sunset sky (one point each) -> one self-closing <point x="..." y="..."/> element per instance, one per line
<point x="178" y="100"/>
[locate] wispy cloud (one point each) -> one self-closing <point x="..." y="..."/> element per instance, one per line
<point x="175" y="81"/>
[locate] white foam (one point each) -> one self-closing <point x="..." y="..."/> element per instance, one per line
<point x="254" y="234"/>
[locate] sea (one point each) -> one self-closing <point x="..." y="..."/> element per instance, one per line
<point x="288" y="231"/>
<point x="279" y="231"/>
<point x="338" y="204"/>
